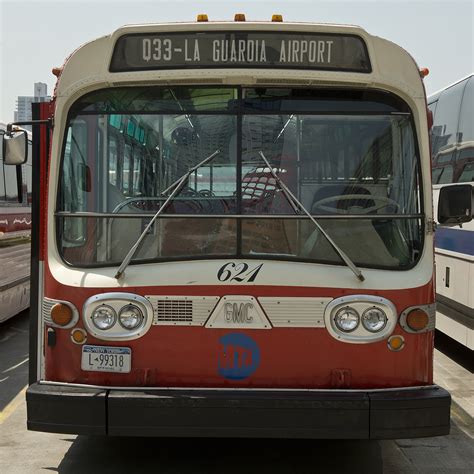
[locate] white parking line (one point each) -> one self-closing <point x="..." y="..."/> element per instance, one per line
<point x="16" y="366"/>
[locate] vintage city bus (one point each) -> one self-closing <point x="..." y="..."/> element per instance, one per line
<point x="15" y="230"/>
<point x="234" y="237"/>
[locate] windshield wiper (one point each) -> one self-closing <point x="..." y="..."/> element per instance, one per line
<point x="295" y="204"/>
<point x="176" y="186"/>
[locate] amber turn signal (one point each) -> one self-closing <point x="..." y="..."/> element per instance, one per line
<point x="78" y="336"/>
<point x="417" y="320"/>
<point x="396" y="343"/>
<point x="61" y="314"/>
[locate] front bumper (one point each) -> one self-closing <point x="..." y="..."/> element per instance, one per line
<point x="352" y="414"/>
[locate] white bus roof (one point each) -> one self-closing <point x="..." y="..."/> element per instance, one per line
<point x="435" y="95"/>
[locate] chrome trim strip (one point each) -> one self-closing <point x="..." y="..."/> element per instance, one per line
<point x="238" y="389"/>
<point x="360" y="335"/>
<point x="116" y="332"/>
<point x="47" y="306"/>
<point x="238" y="216"/>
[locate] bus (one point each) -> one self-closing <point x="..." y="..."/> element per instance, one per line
<point x="15" y="229"/>
<point x="233" y="237"/>
<point x="452" y="139"/>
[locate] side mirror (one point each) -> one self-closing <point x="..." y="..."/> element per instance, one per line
<point x="15" y="147"/>
<point x="455" y="204"/>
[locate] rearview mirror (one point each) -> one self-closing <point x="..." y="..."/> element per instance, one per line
<point x="15" y="148"/>
<point x="455" y="204"/>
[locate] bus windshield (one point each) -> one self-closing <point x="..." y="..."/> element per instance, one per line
<point x="349" y="156"/>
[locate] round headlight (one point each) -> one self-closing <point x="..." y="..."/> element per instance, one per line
<point x="130" y="317"/>
<point x="104" y="317"/>
<point x="374" y="319"/>
<point x="347" y="319"/>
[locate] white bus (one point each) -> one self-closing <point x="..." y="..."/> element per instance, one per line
<point x="452" y="139"/>
<point x="15" y="234"/>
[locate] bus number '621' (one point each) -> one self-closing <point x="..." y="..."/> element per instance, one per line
<point x="239" y="272"/>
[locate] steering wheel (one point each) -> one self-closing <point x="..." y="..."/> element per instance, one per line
<point x="383" y="202"/>
<point x="188" y="192"/>
<point x="206" y="193"/>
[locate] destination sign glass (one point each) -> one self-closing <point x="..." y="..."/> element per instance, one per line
<point x="140" y="52"/>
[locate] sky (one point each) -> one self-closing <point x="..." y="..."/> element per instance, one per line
<point x="36" y="36"/>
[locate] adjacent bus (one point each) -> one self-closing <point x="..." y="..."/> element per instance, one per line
<point x="234" y="237"/>
<point x="15" y="229"/>
<point x="452" y="139"/>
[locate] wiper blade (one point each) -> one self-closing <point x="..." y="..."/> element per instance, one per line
<point x="296" y="204"/>
<point x="176" y="187"/>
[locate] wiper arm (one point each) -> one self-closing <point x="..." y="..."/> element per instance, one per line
<point x="295" y="203"/>
<point x="176" y="186"/>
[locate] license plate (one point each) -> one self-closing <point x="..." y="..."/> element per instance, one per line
<point x="106" y="359"/>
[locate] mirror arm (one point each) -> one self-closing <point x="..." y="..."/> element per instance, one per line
<point x="10" y="125"/>
<point x="19" y="183"/>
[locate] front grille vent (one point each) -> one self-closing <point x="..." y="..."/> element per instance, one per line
<point x="174" y="310"/>
<point x="182" y="310"/>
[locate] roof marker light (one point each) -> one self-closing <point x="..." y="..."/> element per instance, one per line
<point x="424" y="71"/>
<point x="57" y="71"/>
<point x="278" y="18"/>
<point x="202" y="17"/>
<point x="239" y="17"/>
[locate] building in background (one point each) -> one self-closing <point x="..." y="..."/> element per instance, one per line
<point x="23" y="103"/>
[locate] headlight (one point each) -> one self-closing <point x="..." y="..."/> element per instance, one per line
<point x="347" y="319"/>
<point x="104" y="317"/>
<point x="130" y="317"/>
<point x="374" y="319"/>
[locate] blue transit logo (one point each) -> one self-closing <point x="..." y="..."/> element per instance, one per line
<point x="239" y="356"/>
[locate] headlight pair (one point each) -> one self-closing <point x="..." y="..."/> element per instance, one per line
<point x="373" y="319"/>
<point x="129" y="317"/>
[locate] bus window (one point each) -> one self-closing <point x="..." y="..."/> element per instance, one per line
<point x="432" y="107"/>
<point x="73" y="199"/>
<point x="443" y="175"/>
<point x="467" y="174"/>
<point x="446" y="121"/>
<point x="466" y="119"/>
<point x="465" y="153"/>
<point x="113" y="160"/>
<point x="126" y="170"/>
<point x="137" y="170"/>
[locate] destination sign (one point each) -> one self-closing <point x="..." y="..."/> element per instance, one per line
<point x="139" y="52"/>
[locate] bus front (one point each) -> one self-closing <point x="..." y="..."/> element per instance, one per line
<point x="237" y="238"/>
